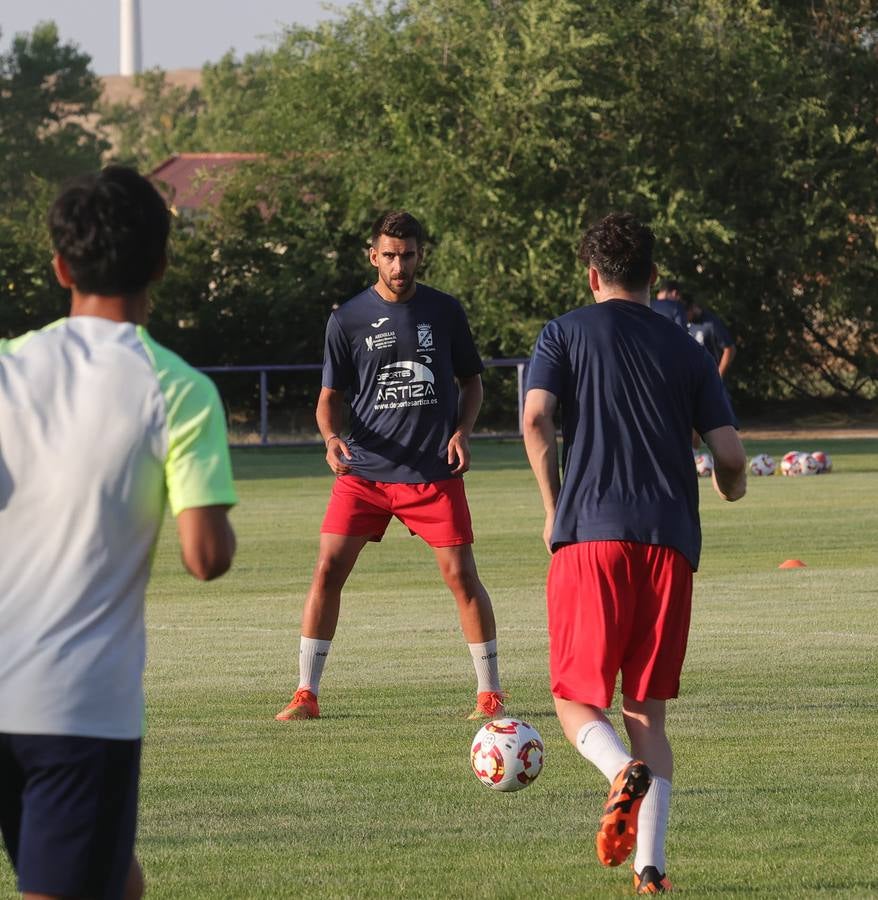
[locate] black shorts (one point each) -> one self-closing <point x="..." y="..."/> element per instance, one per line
<point x="68" y="812"/>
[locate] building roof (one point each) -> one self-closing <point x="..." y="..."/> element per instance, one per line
<point x="191" y="181"/>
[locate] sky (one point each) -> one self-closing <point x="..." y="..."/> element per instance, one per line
<point x="177" y="34"/>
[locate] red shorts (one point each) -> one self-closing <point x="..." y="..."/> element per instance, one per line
<point x="617" y="606"/>
<point x="437" y="512"/>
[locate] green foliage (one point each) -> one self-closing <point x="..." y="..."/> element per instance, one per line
<point x="161" y="122"/>
<point x="737" y="130"/>
<point x="47" y="91"/>
<point x="48" y="96"/>
<point x="744" y="132"/>
<point x="165" y="118"/>
<point x="29" y="294"/>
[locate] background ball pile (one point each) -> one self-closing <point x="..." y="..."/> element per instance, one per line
<point x="703" y="463"/>
<point x="794" y="463"/>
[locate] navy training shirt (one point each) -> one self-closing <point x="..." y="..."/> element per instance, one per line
<point x="631" y="385"/>
<point x="398" y="362"/>
<point x="670" y="309"/>
<point x="710" y="330"/>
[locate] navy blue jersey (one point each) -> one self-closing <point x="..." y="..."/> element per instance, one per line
<point x="398" y="362"/>
<point x="670" y="309"/>
<point x="710" y="331"/>
<point x="631" y="387"/>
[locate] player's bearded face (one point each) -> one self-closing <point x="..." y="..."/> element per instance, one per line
<point x="397" y="261"/>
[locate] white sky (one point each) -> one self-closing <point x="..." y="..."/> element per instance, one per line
<point x="177" y="34"/>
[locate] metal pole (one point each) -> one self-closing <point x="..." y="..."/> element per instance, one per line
<point x="521" y="368"/>
<point x="263" y="407"/>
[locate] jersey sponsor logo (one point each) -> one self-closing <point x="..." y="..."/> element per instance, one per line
<point x="380" y="341"/>
<point x="405" y="383"/>
<point x="404" y="373"/>
<point x="380" y="322"/>
<point x="425" y="336"/>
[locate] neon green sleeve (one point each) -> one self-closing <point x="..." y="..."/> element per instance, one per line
<point x="198" y="469"/>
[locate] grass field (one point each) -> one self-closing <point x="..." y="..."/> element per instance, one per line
<point x="775" y="732"/>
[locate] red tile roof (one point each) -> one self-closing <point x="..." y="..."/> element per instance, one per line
<point x="192" y="180"/>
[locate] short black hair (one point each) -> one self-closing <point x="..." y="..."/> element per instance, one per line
<point x="111" y="229"/>
<point x="398" y="224"/>
<point x="620" y="248"/>
<point x="669" y="284"/>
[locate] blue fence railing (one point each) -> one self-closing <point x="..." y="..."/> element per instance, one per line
<point x="519" y="364"/>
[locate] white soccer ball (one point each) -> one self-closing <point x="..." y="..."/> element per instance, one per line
<point x="824" y="461"/>
<point x="507" y="754"/>
<point x="762" y="464"/>
<point x="789" y="464"/>
<point x="704" y="464"/>
<point x="808" y="465"/>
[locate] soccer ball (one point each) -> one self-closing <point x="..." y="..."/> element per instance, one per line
<point x="789" y="464"/>
<point x="704" y="464"/>
<point x="762" y="464"/>
<point x="798" y="463"/>
<point x="824" y="461"/>
<point x="507" y="754"/>
<point x="808" y="465"/>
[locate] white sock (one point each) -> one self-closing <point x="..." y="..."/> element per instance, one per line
<point x="485" y="661"/>
<point x="598" y="742"/>
<point x="652" y="822"/>
<point x="312" y="658"/>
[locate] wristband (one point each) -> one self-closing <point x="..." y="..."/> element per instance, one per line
<point x="326" y="442"/>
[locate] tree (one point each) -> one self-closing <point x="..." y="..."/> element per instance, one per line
<point x="160" y="122"/>
<point x="47" y="94"/>
<point x="745" y="133"/>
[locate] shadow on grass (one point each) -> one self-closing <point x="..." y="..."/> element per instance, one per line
<point x="260" y="463"/>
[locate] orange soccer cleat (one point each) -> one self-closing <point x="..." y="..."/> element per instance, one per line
<point x="489" y="705"/>
<point x="302" y="706"/>
<point x="618" y="826"/>
<point x="651" y="881"/>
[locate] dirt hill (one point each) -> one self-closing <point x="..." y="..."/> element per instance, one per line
<point x="119" y="88"/>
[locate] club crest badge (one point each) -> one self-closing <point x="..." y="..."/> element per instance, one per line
<point x="425" y="336"/>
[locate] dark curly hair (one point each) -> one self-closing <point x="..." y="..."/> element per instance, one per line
<point x="620" y="248"/>
<point x="398" y="224"/>
<point x="111" y="229"/>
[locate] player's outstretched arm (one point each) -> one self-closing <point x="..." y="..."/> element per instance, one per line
<point x="538" y="425"/>
<point x="729" y="462"/>
<point x="207" y="541"/>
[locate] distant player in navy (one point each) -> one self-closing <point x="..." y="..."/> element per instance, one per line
<point x="402" y="355"/>
<point x="669" y="303"/>
<point x="711" y="332"/>
<point x="622" y="525"/>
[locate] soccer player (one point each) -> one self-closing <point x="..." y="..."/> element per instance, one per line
<point x="709" y="329"/>
<point x="403" y="353"/>
<point x="622" y="525"/>
<point x="100" y="427"/>
<point x="668" y="302"/>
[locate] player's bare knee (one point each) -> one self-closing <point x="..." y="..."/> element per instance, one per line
<point x="464" y="584"/>
<point x="330" y="573"/>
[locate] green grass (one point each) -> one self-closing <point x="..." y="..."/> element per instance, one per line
<point x="775" y="731"/>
